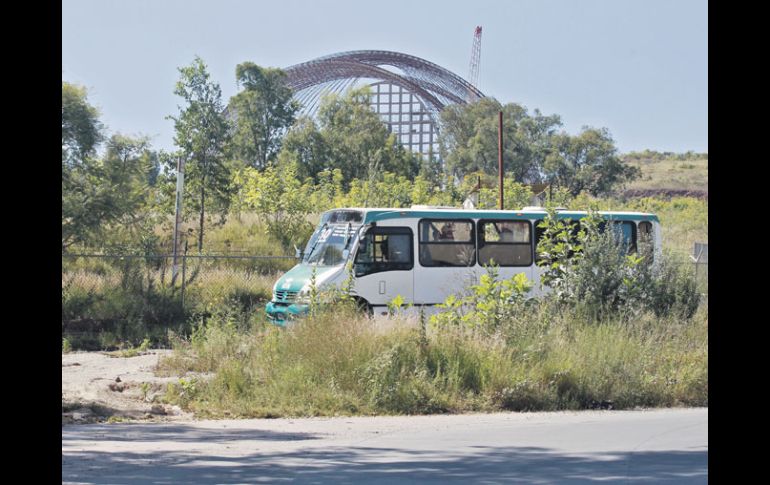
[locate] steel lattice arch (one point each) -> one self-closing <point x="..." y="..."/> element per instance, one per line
<point x="408" y="92"/>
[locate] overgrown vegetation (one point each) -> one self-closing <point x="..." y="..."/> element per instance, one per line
<point x="338" y="362"/>
<point x="110" y="303"/>
<point x="590" y="267"/>
<point x="599" y="340"/>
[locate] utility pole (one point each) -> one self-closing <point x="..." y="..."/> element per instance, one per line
<point x="178" y="217"/>
<point x="500" y="155"/>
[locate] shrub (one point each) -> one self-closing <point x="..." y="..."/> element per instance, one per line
<point x="487" y="305"/>
<point x="591" y="269"/>
<point x="673" y="289"/>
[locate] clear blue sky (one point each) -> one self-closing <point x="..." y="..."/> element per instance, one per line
<point x="638" y="68"/>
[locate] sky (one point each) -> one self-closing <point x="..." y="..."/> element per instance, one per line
<point x="638" y="68"/>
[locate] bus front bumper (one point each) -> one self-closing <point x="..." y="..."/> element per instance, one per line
<point x="280" y="313"/>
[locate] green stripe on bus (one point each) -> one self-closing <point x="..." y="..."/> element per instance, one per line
<point x="372" y="216"/>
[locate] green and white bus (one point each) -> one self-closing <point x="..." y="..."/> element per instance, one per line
<point x="425" y="253"/>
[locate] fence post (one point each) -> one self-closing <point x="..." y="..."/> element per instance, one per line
<point x="177" y="216"/>
<point x="184" y="271"/>
<point x="700" y="258"/>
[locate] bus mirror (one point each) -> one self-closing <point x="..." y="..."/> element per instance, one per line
<point x="297" y="252"/>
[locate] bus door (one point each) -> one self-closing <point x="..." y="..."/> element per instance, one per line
<point x="383" y="265"/>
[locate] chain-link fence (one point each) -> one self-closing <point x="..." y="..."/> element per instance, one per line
<point x="108" y="299"/>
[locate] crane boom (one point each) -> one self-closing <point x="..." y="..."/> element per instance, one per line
<point x="473" y="75"/>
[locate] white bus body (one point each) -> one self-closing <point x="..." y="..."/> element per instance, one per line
<point x="424" y="254"/>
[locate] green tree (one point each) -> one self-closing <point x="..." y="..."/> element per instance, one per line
<point x="203" y="136"/>
<point x="81" y="130"/>
<point x="130" y="170"/>
<point x="281" y="201"/>
<point x="469" y="139"/>
<point x="81" y="133"/>
<point x="305" y="144"/>
<point x="587" y="162"/>
<point x="104" y="199"/>
<point x="111" y="192"/>
<point x="349" y="137"/>
<point x="262" y="112"/>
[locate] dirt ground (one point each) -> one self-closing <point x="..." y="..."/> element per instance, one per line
<point x="107" y="387"/>
<point x="102" y="386"/>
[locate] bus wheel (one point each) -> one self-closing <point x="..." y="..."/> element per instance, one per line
<point x="364" y="307"/>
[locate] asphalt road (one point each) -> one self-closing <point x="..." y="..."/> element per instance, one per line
<point x="668" y="446"/>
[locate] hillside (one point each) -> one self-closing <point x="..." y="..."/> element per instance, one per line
<point x="669" y="176"/>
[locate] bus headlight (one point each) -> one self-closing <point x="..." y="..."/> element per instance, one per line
<point x="303" y="297"/>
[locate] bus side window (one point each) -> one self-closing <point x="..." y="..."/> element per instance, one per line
<point x="645" y="238"/>
<point x="625" y="233"/>
<point x="385" y="249"/>
<point x="627" y="230"/>
<point x="452" y="245"/>
<point x="506" y="243"/>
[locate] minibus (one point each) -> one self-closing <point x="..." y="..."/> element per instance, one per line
<point x="424" y="254"/>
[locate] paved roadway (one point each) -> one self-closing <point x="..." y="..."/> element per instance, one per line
<point x="654" y="446"/>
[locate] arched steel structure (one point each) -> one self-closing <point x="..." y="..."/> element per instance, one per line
<point x="394" y="76"/>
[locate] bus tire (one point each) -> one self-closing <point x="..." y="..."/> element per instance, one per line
<point x="364" y="307"/>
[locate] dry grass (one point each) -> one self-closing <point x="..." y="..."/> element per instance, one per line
<point x="339" y="363"/>
<point x="672" y="174"/>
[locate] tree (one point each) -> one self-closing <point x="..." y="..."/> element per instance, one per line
<point x="81" y="133"/>
<point x="305" y="144"/>
<point x="97" y="193"/>
<point x="100" y="193"/>
<point x="203" y="136"/>
<point x="130" y="170"/>
<point x="281" y="201"/>
<point x="588" y="161"/>
<point x="350" y="137"/>
<point x="81" y="130"/>
<point x="469" y="139"/>
<point x="533" y="150"/>
<point x="262" y="112"/>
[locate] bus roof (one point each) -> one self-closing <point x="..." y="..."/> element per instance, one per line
<point x="383" y="213"/>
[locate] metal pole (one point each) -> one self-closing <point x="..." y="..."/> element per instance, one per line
<point x="500" y="155"/>
<point x="184" y="270"/>
<point x="178" y="217"/>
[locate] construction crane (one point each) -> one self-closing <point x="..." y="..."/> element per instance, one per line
<point x="473" y="70"/>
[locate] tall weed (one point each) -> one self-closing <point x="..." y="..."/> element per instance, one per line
<point x="337" y="362"/>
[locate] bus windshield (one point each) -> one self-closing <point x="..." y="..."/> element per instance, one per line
<point x="328" y="243"/>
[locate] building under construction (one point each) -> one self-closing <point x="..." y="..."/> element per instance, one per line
<point x="407" y="92"/>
